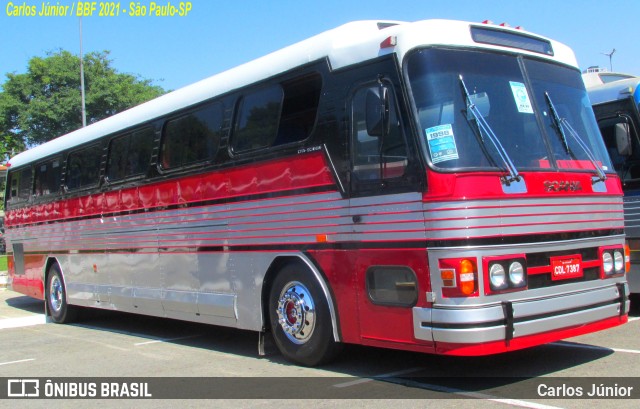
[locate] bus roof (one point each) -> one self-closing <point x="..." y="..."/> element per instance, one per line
<point x="343" y="46"/>
<point x="598" y="76"/>
<point x="613" y="91"/>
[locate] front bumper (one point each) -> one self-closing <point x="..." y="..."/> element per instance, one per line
<point x="498" y="327"/>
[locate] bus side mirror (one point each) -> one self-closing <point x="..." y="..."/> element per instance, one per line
<point x="377" y="111"/>
<point x="623" y="139"/>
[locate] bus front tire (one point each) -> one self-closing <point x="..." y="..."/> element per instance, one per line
<point x="56" y="297"/>
<point x="300" y="318"/>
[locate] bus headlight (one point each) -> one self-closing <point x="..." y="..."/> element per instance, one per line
<point x="505" y="273"/>
<point x="607" y="262"/>
<point x="618" y="261"/>
<point x="614" y="262"/>
<point x="516" y="274"/>
<point x="497" y="277"/>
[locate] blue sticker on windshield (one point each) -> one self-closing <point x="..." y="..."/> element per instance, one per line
<point x="442" y="143"/>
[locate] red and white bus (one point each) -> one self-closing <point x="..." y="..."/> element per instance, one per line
<point x="437" y="186"/>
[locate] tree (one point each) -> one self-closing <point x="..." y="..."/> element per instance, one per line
<point x="45" y="102"/>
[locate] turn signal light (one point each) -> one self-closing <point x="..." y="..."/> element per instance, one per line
<point x="448" y="278"/>
<point x="627" y="258"/>
<point x="459" y="277"/>
<point x="467" y="277"/>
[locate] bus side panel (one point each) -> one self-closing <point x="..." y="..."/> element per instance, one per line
<point x="34" y="265"/>
<point x="31" y="281"/>
<point x="84" y="277"/>
<point x="384" y="307"/>
<point x="336" y="265"/>
<point x="361" y="320"/>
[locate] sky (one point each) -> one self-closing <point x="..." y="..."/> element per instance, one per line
<point x="216" y="35"/>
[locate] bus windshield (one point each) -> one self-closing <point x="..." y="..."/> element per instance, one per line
<point x="616" y="105"/>
<point x="513" y="95"/>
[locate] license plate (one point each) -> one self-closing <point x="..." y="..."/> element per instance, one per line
<point x="566" y="267"/>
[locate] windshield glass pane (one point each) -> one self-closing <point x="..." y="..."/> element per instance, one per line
<point x="497" y="87"/>
<point x="566" y="91"/>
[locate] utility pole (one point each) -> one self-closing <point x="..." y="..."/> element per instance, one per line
<point x="84" y="111"/>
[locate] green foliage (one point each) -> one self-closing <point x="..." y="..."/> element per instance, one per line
<point x="45" y="102"/>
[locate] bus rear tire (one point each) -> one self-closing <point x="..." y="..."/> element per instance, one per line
<point x="56" y="298"/>
<point x="300" y="318"/>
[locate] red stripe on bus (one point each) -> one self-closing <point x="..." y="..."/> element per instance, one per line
<point x="299" y="172"/>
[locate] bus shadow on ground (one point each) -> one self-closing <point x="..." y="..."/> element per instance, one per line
<point x="423" y="374"/>
<point x="25" y="303"/>
<point x="516" y="374"/>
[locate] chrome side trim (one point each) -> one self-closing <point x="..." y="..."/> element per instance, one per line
<point x="80" y="294"/>
<point x="219" y="305"/>
<point x="496" y="218"/>
<point x="533" y="247"/>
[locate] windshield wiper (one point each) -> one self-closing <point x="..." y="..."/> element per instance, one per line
<point x="560" y="125"/>
<point x="558" y="122"/>
<point x="483" y="126"/>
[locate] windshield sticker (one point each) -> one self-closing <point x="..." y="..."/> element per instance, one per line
<point x="521" y="97"/>
<point x="442" y="143"/>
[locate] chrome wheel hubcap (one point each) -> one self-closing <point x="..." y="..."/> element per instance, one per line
<point x="296" y="312"/>
<point x="55" y="294"/>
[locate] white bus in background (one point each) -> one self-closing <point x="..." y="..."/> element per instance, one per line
<point x="615" y="98"/>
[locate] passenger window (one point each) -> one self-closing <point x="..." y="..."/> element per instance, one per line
<point x="377" y="157"/>
<point x="278" y="115"/>
<point x="20" y="186"/>
<point x="257" y="120"/>
<point x="48" y="177"/>
<point x="83" y="168"/>
<point x="130" y="155"/>
<point x="192" y="138"/>
<point x="299" y="109"/>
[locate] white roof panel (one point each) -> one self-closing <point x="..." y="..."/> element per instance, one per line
<point x="345" y="45"/>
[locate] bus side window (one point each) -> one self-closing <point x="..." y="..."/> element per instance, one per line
<point x="192" y="138"/>
<point x="130" y="155"/>
<point x="257" y="120"/>
<point x="299" y="109"/>
<point x="20" y="186"/>
<point x="83" y="167"/>
<point x="48" y="177"/>
<point x="277" y="115"/>
<point x="13" y="189"/>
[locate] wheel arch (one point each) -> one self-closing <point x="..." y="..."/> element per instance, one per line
<point x="45" y="276"/>
<point x="276" y="265"/>
<point x="47" y="266"/>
